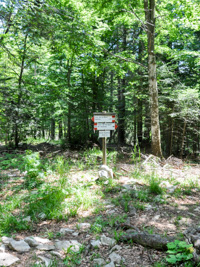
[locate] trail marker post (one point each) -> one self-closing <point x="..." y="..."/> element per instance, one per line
<point x="104" y="123"/>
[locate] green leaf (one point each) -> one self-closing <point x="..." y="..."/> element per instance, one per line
<point x="172" y="259"/>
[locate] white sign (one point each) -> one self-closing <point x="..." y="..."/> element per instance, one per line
<point x="103" y="134"/>
<point x="103" y="126"/>
<point x="99" y="118"/>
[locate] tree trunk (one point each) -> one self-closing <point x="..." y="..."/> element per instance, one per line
<point x="52" y="129"/>
<point x="149" y="8"/>
<point x="121" y="101"/>
<point x="139" y="122"/>
<point x="183" y="138"/>
<point x="19" y="97"/>
<point x="60" y="133"/>
<point x="147" y="240"/>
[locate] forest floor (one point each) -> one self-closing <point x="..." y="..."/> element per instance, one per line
<point x="46" y="192"/>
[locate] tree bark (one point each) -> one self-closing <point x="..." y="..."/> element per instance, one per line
<point x="147" y="240"/>
<point x="19" y="97"/>
<point x="183" y="138"/>
<point x="149" y="8"/>
<point x="122" y="101"/>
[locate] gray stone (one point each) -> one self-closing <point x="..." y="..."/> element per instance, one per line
<point x="46" y="247"/>
<point x="111" y="264"/>
<point x="132" y="210"/>
<point x="155" y="218"/>
<point x="84" y="226"/>
<point x="116" y="247"/>
<point x="197" y="244"/>
<point x="64" y="231"/>
<point x="27" y="219"/>
<point x="95" y="243"/>
<point x="148" y="207"/>
<point x="41" y="240"/>
<point x="75" y="234"/>
<point x="31" y="241"/>
<point x="2" y="248"/>
<point x="99" y="261"/>
<point x="6" y="240"/>
<point x="105" y="172"/>
<point x="57" y="254"/>
<point x="19" y="246"/>
<point x="42" y="215"/>
<point x="116" y="258"/>
<point x="7" y="259"/>
<point x="107" y="241"/>
<point x="65" y="244"/>
<point x="46" y="260"/>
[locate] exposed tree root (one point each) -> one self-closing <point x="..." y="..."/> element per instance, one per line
<point x="147" y="240"/>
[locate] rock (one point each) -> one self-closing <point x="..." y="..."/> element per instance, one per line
<point x="46" y="247"/>
<point x="57" y="254"/>
<point x="27" y="219"/>
<point x="2" y="248"/>
<point x="7" y="259"/>
<point x="105" y="172"/>
<point x="148" y="207"/>
<point x="107" y="241"/>
<point x="46" y="260"/>
<point x="111" y="264"/>
<point x="31" y="241"/>
<point x="197" y="244"/>
<point x="42" y="215"/>
<point x="127" y="187"/>
<point x="116" y="247"/>
<point x="172" y="189"/>
<point x="132" y="210"/>
<point x="84" y="226"/>
<point x="64" y="231"/>
<point x="95" y="243"/>
<point x="99" y="261"/>
<point x="116" y="258"/>
<point x="155" y="218"/>
<point x="65" y="244"/>
<point x="75" y="234"/>
<point x="6" y="240"/>
<point x="19" y="246"/>
<point x="197" y="209"/>
<point x="41" y="240"/>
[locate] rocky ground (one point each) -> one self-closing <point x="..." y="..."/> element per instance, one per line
<point x="76" y="243"/>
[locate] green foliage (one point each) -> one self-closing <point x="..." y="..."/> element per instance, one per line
<point x="73" y="258"/>
<point x="154" y="186"/>
<point x="179" y="251"/>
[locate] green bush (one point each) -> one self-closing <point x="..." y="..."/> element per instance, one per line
<point x="179" y="251"/>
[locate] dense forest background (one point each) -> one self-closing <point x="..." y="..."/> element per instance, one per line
<point x="60" y="61"/>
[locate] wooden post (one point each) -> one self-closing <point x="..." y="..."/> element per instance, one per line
<point x="104" y="150"/>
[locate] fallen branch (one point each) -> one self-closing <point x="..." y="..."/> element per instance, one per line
<point x="154" y="241"/>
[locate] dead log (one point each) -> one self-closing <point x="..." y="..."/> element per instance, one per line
<point x="154" y="241"/>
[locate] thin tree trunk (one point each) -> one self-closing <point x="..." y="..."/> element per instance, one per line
<point x="17" y="115"/>
<point x="60" y="133"/>
<point x="52" y="129"/>
<point x="122" y="101"/>
<point x="183" y="138"/>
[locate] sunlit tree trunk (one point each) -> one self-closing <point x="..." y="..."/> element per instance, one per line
<point x="149" y="7"/>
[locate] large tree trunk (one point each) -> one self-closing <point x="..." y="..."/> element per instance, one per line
<point x="149" y="7"/>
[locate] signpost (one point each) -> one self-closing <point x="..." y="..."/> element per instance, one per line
<point x="104" y="123"/>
